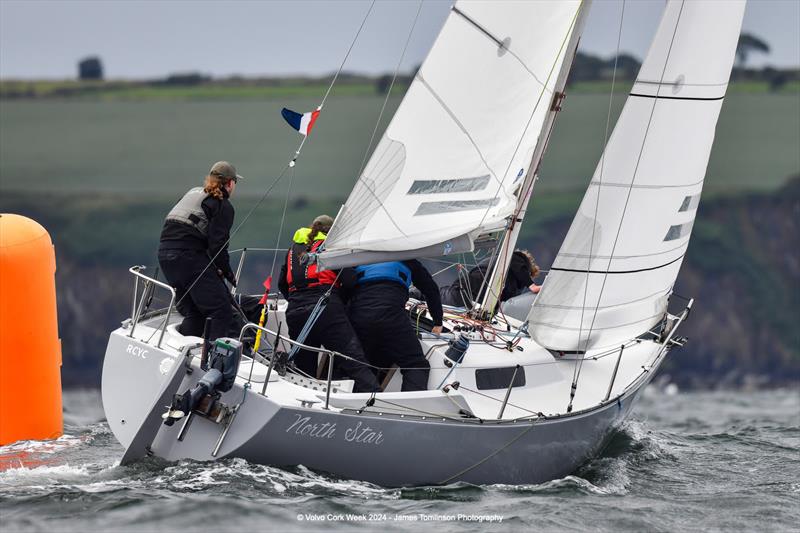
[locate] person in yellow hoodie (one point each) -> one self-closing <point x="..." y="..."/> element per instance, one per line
<point x="303" y="286"/>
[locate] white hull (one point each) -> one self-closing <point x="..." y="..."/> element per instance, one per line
<point x="418" y="438"/>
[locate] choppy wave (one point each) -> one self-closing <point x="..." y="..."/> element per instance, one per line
<point x="689" y="461"/>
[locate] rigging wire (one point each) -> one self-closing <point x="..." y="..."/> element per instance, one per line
<point x="627" y="200"/>
<point x="322" y="302"/>
<point x="378" y="122"/>
<point x="492" y="454"/>
<point x="280" y="228"/>
<point x="555" y="361"/>
<point x="518" y="208"/>
<point x="578" y="362"/>
<point x="319" y="308"/>
<point x="347" y="55"/>
<point x="389" y="91"/>
<point x="564" y="42"/>
<point x="288" y="166"/>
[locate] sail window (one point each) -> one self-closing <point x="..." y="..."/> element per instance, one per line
<point x="499" y="378"/>
<point x="455" y="185"/>
<point x="437" y="208"/>
<point x="681" y="230"/>
<point x="690" y="203"/>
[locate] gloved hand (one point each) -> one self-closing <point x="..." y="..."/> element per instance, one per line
<point x="227" y="276"/>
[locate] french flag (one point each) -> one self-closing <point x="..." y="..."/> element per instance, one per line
<point x="301" y="122"/>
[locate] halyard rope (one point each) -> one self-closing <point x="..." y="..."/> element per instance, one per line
<point x="627" y="200"/>
<point x="280" y="228"/>
<point x="323" y="300"/>
<point x="378" y="122"/>
<point x="503" y="241"/>
<point x="289" y="165"/>
<point x="576" y="370"/>
<point x="479" y="463"/>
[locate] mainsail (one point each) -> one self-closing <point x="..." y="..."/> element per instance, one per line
<point x="454" y="156"/>
<point x="616" y="268"/>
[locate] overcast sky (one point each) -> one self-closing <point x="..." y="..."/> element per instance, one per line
<point x="148" y="39"/>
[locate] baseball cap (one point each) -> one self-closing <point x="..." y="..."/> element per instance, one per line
<point x="223" y="169"/>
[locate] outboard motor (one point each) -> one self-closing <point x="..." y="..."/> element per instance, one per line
<point x="222" y="365"/>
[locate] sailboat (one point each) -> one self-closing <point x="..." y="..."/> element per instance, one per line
<point x="513" y="400"/>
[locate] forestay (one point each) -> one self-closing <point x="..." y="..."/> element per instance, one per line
<point x="455" y="153"/>
<point x="617" y="266"/>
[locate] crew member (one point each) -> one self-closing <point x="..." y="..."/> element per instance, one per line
<point x="303" y="286"/>
<point x="193" y="252"/>
<point x="377" y="312"/>
<point x="521" y="272"/>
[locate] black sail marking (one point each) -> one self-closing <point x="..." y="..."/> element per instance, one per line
<point x="483" y="30"/>
<point x="661" y="97"/>
<point x="584" y="271"/>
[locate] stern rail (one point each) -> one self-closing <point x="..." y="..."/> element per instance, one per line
<point x="148" y="287"/>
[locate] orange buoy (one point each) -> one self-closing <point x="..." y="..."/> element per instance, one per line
<point x="30" y="350"/>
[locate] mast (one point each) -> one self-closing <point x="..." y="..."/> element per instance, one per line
<point x="499" y="268"/>
<point x="450" y="166"/>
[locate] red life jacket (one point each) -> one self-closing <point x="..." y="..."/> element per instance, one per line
<point x="303" y="276"/>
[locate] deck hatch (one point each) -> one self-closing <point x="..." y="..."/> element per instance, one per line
<point x="499" y="378"/>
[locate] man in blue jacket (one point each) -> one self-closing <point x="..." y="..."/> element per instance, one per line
<point x="378" y="314"/>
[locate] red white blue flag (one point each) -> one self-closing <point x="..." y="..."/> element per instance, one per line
<point x="301" y="122"/>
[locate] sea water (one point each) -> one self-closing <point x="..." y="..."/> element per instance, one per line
<point x="686" y="461"/>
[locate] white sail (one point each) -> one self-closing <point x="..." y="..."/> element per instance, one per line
<point x="618" y="263"/>
<point x="459" y="146"/>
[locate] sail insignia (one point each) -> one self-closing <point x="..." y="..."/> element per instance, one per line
<point x="690" y="203"/>
<point x="679" y="230"/>
<point x="468" y="123"/>
<point x="449" y="185"/>
<point x="451" y="206"/>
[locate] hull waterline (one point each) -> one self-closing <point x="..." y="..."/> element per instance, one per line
<point x="379" y="447"/>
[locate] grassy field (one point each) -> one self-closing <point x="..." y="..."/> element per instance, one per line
<point x="144" y="91"/>
<point x="100" y="172"/>
<point x="163" y="147"/>
<point x="243" y="89"/>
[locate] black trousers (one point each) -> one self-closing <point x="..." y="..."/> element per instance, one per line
<point x="208" y="297"/>
<point x="332" y="330"/>
<point x="388" y="338"/>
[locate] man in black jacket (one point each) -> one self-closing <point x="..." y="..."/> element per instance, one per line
<point x="196" y="232"/>
<point x="519" y="280"/>
<point x="378" y="314"/>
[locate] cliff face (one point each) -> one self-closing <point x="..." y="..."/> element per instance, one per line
<point x="742" y="268"/>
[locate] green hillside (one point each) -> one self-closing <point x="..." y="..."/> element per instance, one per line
<point x="154" y="147"/>
<point x="742" y="267"/>
<point x="101" y="172"/>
